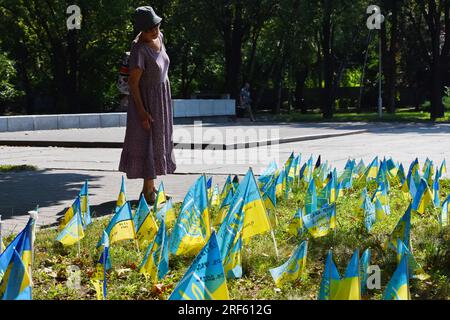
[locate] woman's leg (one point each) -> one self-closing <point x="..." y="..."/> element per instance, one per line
<point x="148" y="190"/>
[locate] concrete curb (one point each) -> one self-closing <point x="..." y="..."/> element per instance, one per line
<point x="207" y="108"/>
<point x="191" y="146"/>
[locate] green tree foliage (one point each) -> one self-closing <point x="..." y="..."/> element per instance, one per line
<point x="283" y="48"/>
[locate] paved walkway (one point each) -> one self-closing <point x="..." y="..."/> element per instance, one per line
<point x="63" y="170"/>
<point x="225" y="136"/>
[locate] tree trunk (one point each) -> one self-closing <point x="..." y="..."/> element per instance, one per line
<point x="72" y="76"/>
<point x="389" y="54"/>
<point x="233" y="33"/>
<point x="300" y="79"/>
<point x="327" y="102"/>
<point x="437" y="108"/>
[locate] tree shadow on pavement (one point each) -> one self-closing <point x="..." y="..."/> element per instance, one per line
<point x="24" y="191"/>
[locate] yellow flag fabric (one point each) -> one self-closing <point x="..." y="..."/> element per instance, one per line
<point x="121" y="226"/>
<point x="98" y="286"/>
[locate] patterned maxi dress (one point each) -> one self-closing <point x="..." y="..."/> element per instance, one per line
<point x="148" y="154"/>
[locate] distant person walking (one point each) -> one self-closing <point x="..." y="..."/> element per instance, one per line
<point x="246" y="100"/>
<point x="148" y="146"/>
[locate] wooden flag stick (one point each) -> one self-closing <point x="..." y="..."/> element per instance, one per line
<point x="104" y="270"/>
<point x="137" y="246"/>
<point x="274" y="243"/>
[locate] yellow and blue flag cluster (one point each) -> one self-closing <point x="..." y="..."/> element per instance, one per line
<point x="155" y="264"/>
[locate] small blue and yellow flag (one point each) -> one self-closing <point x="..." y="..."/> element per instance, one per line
<point x="205" y="278"/>
<point x="381" y="211"/>
<point x="23" y="244"/>
<point x="443" y="218"/>
<point x="320" y="222"/>
<point x="233" y="261"/>
<point x="428" y="171"/>
<point x="247" y="215"/>
<point x="226" y="196"/>
<point x="144" y="224"/>
<point x="70" y="213"/>
<point x="401" y="230"/>
<point x="415" y="270"/>
<point x="311" y="198"/>
<point x="398" y="286"/>
<point x="350" y="285"/>
<point x="382" y="176"/>
<point x="280" y="183"/>
<point x="382" y="194"/>
<point x="361" y="200"/>
<point x="192" y="228"/>
<point x="422" y="198"/>
<point x="84" y="204"/>
<point x="346" y="179"/>
<point x="73" y="231"/>
<point x="226" y="187"/>
<point x="307" y="170"/>
<point x="155" y="264"/>
<point x="371" y="171"/>
<point x="293" y="268"/>
<point x="167" y="213"/>
<point x="330" y="279"/>
<point x="16" y="284"/>
<point x="392" y="169"/>
<point x="360" y="168"/>
<point x="435" y="192"/>
<point x="289" y="167"/>
<point x="99" y="280"/>
<point x="295" y="226"/>
<point x="270" y="196"/>
<point x="121" y="226"/>
<point x="267" y="174"/>
<point x="370" y="215"/>
<point x="160" y="197"/>
<point x="364" y="264"/>
<point x="401" y="174"/>
<point x="443" y="168"/>
<point x="214" y="200"/>
<point x="105" y="259"/>
<point x="122" y="198"/>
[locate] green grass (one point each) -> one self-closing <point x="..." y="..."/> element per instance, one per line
<point x="401" y="115"/>
<point x="431" y="247"/>
<point x="14" y="168"/>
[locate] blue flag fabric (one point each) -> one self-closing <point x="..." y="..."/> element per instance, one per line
<point x="364" y="264"/>
<point x="205" y="278"/>
<point x="16" y="284"/>
<point x="330" y="278"/>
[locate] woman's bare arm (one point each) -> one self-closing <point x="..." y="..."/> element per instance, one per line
<point x="133" y="83"/>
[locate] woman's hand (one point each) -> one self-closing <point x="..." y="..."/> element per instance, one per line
<point x="146" y="120"/>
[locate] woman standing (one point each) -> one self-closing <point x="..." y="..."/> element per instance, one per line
<point x="148" y="145"/>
